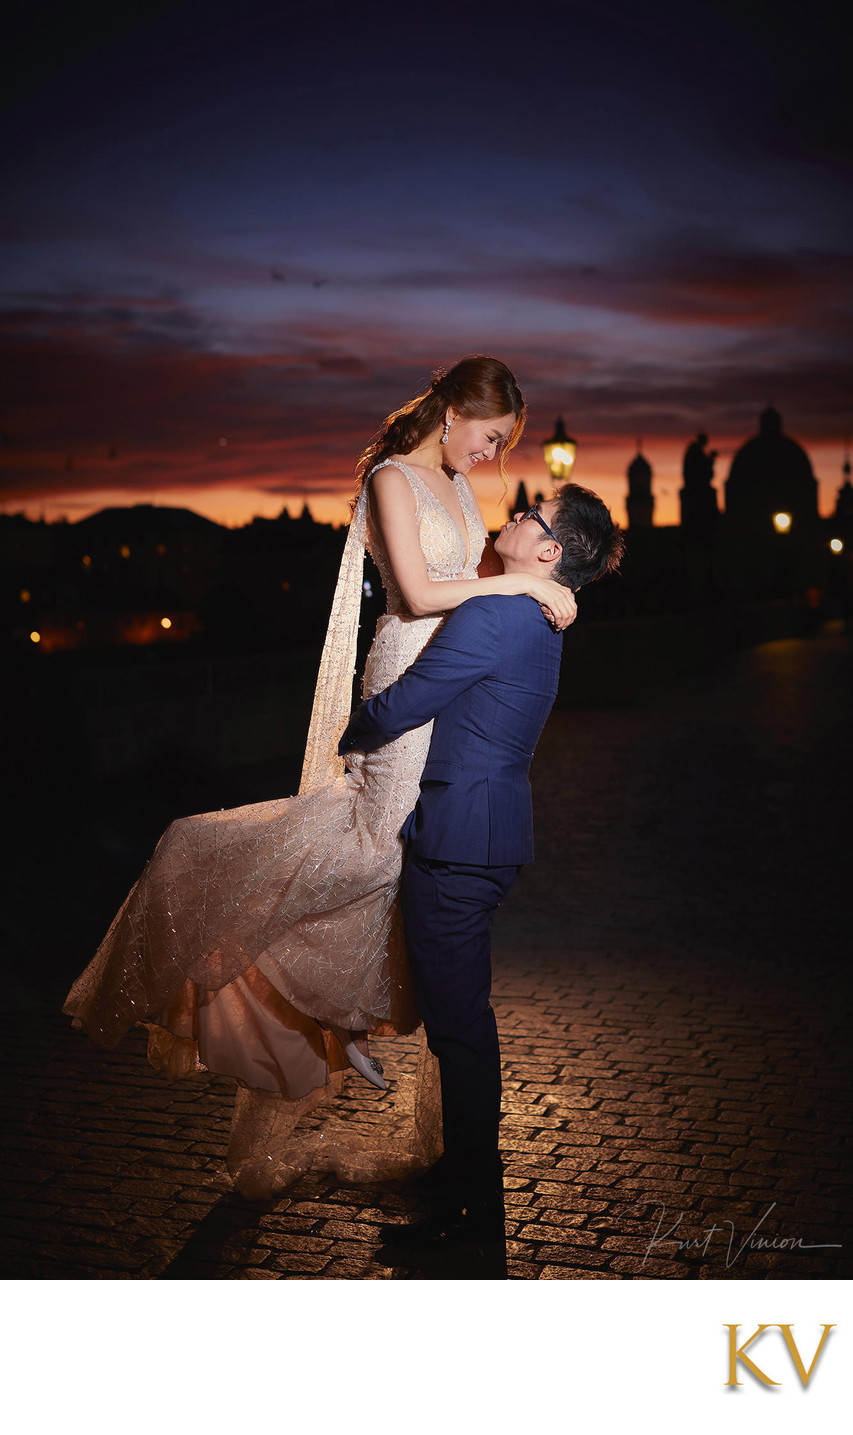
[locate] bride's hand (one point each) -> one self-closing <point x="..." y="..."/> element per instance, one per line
<point x="557" y="603"/>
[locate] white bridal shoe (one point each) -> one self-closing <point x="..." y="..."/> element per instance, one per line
<point x="366" y="1066"/>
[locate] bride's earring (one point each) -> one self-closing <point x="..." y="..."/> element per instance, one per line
<point x="446" y="430"/>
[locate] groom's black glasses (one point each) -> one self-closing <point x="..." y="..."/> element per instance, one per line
<point x="534" y="513"/>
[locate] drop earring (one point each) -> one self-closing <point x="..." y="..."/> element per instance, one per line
<point x="446" y="431"/>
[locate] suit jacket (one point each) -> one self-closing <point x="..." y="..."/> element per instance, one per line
<point x="488" y="678"/>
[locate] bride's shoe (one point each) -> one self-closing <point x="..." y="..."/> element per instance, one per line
<point x="366" y="1066"/>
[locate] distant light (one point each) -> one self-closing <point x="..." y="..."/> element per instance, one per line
<point x="35" y="637"/>
<point x="223" y="443"/>
<point x="124" y="551"/>
<point x="836" y="545"/>
<point x="161" y="549"/>
<point x="80" y="625"/>
<point x="87" y="562"/>
<point x="25" y="595"/>
<point x="165" y="622"/>
<point x="368" y="591"/>
<point x="782" y="522"/>
<point x="285" y="587"/>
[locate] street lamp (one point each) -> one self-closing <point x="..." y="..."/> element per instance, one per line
<point x="782" y="522"/>
<point x="560" y="452"/>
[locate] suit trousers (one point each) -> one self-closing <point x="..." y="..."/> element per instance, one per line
<point x="447" y="908"/>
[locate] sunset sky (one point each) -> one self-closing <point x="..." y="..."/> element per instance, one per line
<point x="237" y="235"/>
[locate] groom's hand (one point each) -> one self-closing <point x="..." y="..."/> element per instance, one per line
<point x="349" y="742"/>
<point x="354" y="763"/>
<point x="345" y="740"/>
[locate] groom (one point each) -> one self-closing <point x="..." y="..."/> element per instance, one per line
<point x="489" y="679"/>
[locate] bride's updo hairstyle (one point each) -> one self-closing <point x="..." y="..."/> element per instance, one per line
<point x="477" y="387"/>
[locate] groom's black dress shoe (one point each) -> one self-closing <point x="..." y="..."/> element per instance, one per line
<point x="476" y="1223"/>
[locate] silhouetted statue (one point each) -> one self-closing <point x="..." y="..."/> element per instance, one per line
<point x="699" y="510"/>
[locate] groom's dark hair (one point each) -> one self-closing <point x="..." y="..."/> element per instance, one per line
<point x="592" y="544"/>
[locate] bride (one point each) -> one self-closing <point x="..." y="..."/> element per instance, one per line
<point x="264" y="943"/>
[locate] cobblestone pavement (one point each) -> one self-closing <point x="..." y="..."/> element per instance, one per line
<point x="669" y="990"/>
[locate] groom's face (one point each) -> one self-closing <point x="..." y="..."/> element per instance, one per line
<point x="523" y="541"/>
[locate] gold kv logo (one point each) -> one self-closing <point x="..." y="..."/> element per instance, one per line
<point x="736" y="1353"/>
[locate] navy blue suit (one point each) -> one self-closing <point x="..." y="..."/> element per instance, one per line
<point x="488" y="679"/>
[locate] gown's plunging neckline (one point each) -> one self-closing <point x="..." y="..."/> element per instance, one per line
<point x="443" y="506"/>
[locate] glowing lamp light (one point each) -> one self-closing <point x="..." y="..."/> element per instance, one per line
<point x="165" y="622"/>
<point x="782" y="522"/>
<point x="836" y="545"/>
<point x="124" y="551"/>
<point x="25" y="595"/>
<point x="87" y="562"/>
<point x="560" y="450"/>
<point x="35" y="637"/>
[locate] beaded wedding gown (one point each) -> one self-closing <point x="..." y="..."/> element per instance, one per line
<point x="250" y="927"/>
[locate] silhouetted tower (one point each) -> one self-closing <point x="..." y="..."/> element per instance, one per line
<point x="699" y="510"/>
<point x="641" y="503"/>
<point x="521" y="502"/>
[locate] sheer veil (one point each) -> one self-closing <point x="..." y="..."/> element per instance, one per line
<point x="333" y="694"/>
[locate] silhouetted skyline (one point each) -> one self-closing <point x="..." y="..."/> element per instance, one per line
<point x="237" y="237"/>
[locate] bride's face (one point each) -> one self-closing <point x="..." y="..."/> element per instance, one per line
<point x="473" y="441"/>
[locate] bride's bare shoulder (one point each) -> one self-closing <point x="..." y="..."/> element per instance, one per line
<point x="389" y="488"/>
<point x="392" y="474"/>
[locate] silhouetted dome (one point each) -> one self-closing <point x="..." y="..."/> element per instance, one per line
<point x="769" y="473"/>
<point x="145" y="519"/>
<point x="639" y="469"/>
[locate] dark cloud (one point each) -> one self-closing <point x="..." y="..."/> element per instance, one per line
<point x="681" y="279"/>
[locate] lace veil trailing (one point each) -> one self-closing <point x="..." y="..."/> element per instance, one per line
<point x="333" y="694"/>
